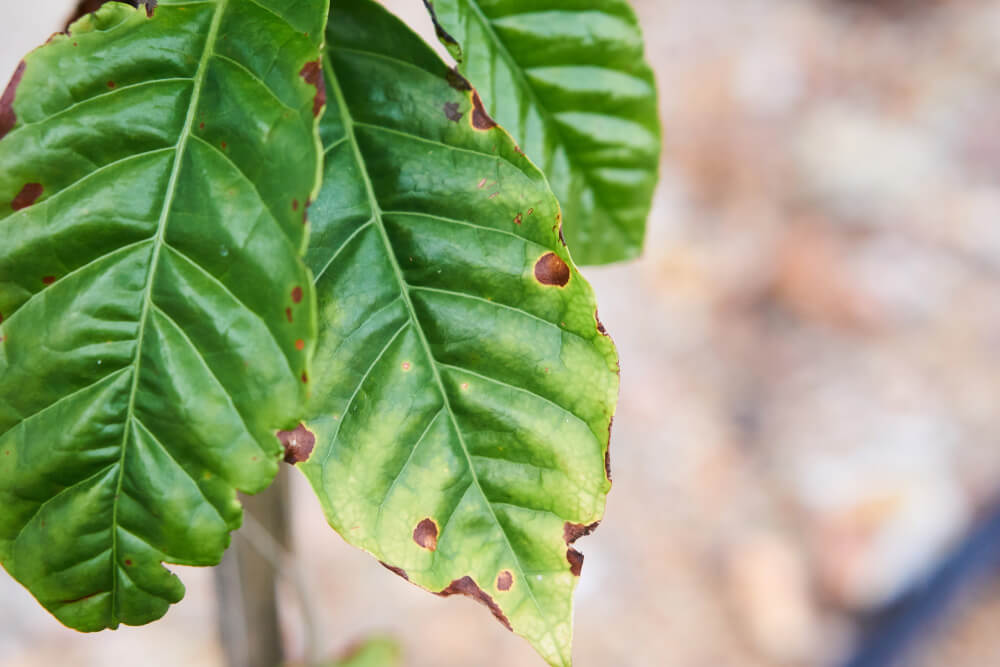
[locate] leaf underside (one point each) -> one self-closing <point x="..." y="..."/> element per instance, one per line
<point x="568" y="79"/>
<point x="155" y="313"/>
<point x="463" y="387"/>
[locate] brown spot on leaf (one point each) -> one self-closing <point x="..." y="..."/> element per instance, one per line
<point x="128" y="562"/>
<point x="48" y="280"/>
<point x="298" y="443"/>
<point x="28" y="195"/>
<point x="574" y="531"/>
<point x="296" y="294"/>
<point x="406" y="365"/>
<point x="466" y="586"/>
<point x="111" y="84"/>
<point x="600" y="327"/>
<point x="442" y="34"/>
<point x="426" y="534"/>
<point x="451" y="112"/>
<point x="480" y="119"/>
<point x="7" y="116"/>
<point x="518" y="219"/>
<point x="607" y="452"/>
<point x="550" y="269"/>
<point x="575" y="559"/>
<point x="300" y="345"/>
<point x="295" y="204"/>
<point x="201" y="126"/>
<point x="312" y="72"/>
<point x="482" y="184"/>
<point x="505" y="580"/>
<point x="305" y="378"/>
<point x="395" y="570"/>
<point x="288" y="314"/>
<point x="457" y="81"/>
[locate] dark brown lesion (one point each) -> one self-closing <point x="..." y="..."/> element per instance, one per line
<point x="505" y="580"/>
<point x="574" y="531"/>
<point x="480" y="119"/>
<point x="600" y="327"/>
<point x="298" y="443"/>
<point x="550" y="269"/>
<point x="7" y="116"/>
<point x="442" y="34"/>
<point x="312" y="72"/>
<point x="426" y="534"/>
<point x="452" y="112"/>
<point x="575" y="559"/>
<point x="395" y="570"/>
<point x="85" y="7"/>
<point x="468" y="587"/>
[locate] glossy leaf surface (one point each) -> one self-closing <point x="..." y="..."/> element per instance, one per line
<point x="567" y="78"/>
<point x="463" y="386"/>
<point x="157" y="318"/>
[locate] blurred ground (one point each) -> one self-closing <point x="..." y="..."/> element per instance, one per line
<point x="810" y="360"/>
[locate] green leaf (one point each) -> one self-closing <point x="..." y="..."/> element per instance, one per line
<point x="463" y="387"/>
<point x="157" y="318"/>
<point x="568" y="79"/>
<point x="374" y="652"/>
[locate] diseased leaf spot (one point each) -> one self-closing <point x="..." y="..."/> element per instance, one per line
<point x="518" y="219"/>
<point x="406" y="366"/>
<point x="201" y="125"/>
<point x="224" y="145"/>
<point x="288" y="314"/>
<point x="312" y="72"/>
<point x="48" y="280"/>
<point x="600" y="327"/>
<point x="505" y="580"/>
<point x="457" y="81"/>
<point x="300" y="345"/>
<point x="128" y="562"/>
<point x="298" y="443"/>
<point x="111" y="84"/>
<point x="297" y="294"/>
<point x="465" y="386"/>
<point x="395" y="570"/>
<point x="7" y="116"/>
<point x="27" y="196"/>
<point x="305" y="378"/>
<point x="426" y="534"/>
<point x="607" y="452"/>
<point x="451" y="112"/>
<point x="575" y="559"/>
<point x="480" y="119"/>
<point x="550" y="269"/>
<point x="295" y="204"/>
<point x="482" y="184"/>
<point x="466" y="586"/>
<point x="574" y="531"/>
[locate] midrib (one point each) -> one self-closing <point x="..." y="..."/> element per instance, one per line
<point x="158" y="241"/>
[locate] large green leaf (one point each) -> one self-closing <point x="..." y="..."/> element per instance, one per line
<point x="463" y="386"/>
<point x="568" y="79"/>
<point x="157" y="318"/>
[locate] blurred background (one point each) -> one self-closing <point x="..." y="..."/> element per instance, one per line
<point x="809" y="423"/>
